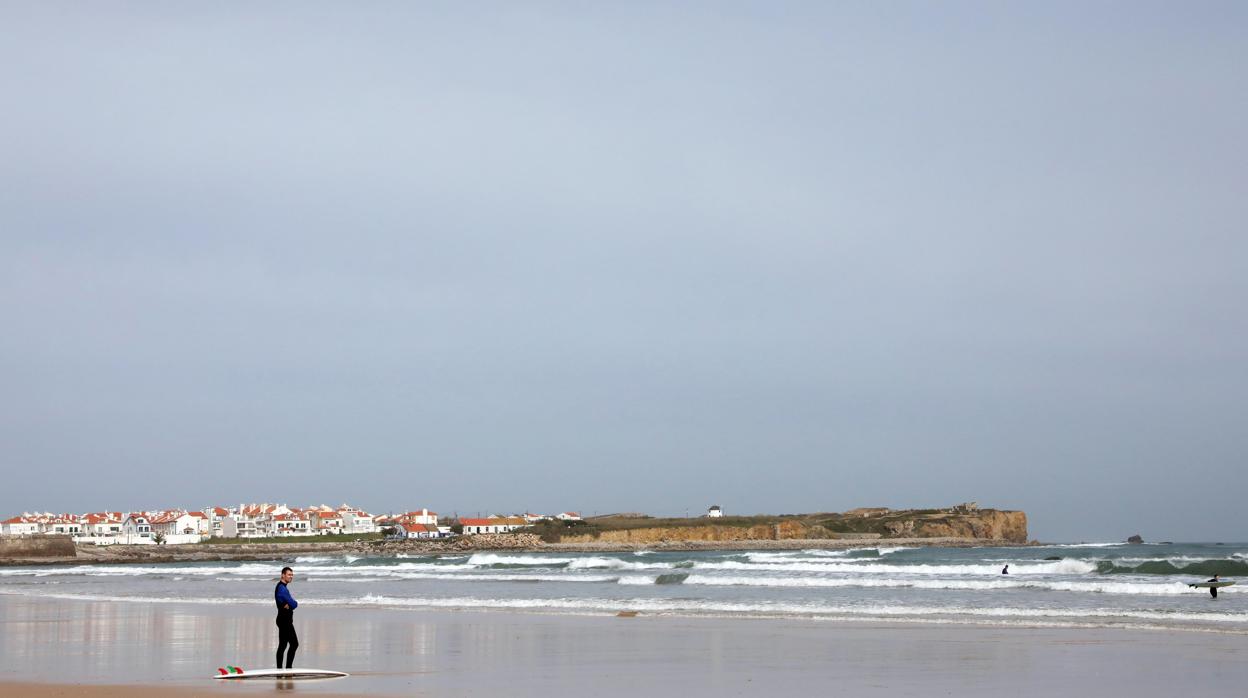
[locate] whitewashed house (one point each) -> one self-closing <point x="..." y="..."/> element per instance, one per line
<point x="354" y="521"/>
<point x="569" y="516"/>
<point x="238" y="525"/>
<point x="424" y="516"/>
<point x="179" y="523"/>
<point x="289" y="525"/>
<point x="501" y="524"/>
<point x="714" y="512"/>
<point x="326" y="523"/>
<point x="415" y="530"/>
<point x="61" y="526"/>
<point x="215" y="516"/>
<point x="20" y="526"/>
<point x="137" y="525"/>
<point x="102" y="524"/>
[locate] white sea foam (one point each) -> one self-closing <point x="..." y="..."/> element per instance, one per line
<point x="1057" y="567"/>
<point x="488" y="559"/>
<point x="827" y="553"/>
<point x="1157" y="589"/>
<point x="896" y="612"/>
<point x="611" y="563"/>
<point x="1081" y="545"/>
<point x="491" y="577"/>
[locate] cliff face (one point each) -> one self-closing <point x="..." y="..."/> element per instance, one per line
<point x="37" y="546"/>
<point x="784" y="530"/>
<point x="980" y="524"/>
<point x="989" y="524"/>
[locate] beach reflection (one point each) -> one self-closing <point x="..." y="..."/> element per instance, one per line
<point x="116" y="642"/>
<point x="397" y="652"/>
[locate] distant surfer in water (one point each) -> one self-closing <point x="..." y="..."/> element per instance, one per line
<point x="1005" y="570"/>
<point x="286" y="606"/>
<point x="1213" y="591"/>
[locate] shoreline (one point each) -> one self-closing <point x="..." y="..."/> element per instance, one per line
<point x="110" y="650"/>
<point x="39" y="689"/>
<point x="235" y="552"/>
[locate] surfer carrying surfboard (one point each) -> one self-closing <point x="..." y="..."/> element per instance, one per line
<point x="1213" y="591"/>
<point x="287" y="640"/>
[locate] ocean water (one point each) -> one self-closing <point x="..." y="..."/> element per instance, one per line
<point x="1087" y="585"/>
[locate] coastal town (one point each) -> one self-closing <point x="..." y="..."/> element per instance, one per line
<point x="259" y="521"/>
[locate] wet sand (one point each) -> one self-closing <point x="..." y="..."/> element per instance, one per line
<point x="77" y="647"/>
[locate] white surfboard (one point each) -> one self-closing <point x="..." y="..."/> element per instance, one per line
<point x="282" y="674"/>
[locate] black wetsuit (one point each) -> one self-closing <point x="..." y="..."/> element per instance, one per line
<point x="1213" y="591"/>
<point x="287" y="640"/>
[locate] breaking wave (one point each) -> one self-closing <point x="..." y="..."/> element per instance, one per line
<point x="1203" y="568"/>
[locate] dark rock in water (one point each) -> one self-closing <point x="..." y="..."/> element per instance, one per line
<point x="1053" y="557"/>
<point x="1135" y="539"/>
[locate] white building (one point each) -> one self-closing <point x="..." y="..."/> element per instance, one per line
<point x="501" y="524"/>
<point x="20" y="526"/>
<point x="424" y="516"/>
<point x="714" y="512"/>
<point x="61" y="526"/>
<point x="414" y="530"/>
<point x="326" y="523"/>
<point x="239" y="526"/>
<point x="137" y="525"/>
<point x="180" y="523"/>
<point x="356" y="521"/>
<point x="215" y="516"/>
<point x="101" y="524"/>
<point x="289" y="525"/>
<point x="569" y="516"/>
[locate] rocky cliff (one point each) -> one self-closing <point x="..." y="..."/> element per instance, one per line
<point x="956" y="522"/>
<point x="36" y="547"/>
<point x="785" y="530"/>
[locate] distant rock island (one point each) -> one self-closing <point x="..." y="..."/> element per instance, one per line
<point x="965" y="521"/>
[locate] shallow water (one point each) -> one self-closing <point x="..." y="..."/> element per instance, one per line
<point x="177" y="646"/>
<point x="1098" y="585"/>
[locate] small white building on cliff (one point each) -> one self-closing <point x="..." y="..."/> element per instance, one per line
<point x="494" y="525"/>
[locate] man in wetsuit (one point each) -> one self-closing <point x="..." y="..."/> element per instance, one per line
<point x="286" y="606"/>
<point x="1213" y="591"/>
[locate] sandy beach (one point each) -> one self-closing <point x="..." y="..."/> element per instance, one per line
<point x="55" y="647"/>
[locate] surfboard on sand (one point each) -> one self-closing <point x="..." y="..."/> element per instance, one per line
<point x="1208" y="585"/>
<point x="239" y="674"/>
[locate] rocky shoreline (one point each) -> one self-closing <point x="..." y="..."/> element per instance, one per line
<point x="513" y="542"/>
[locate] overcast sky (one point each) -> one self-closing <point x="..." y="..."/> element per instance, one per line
<point x="780" y="257"/>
